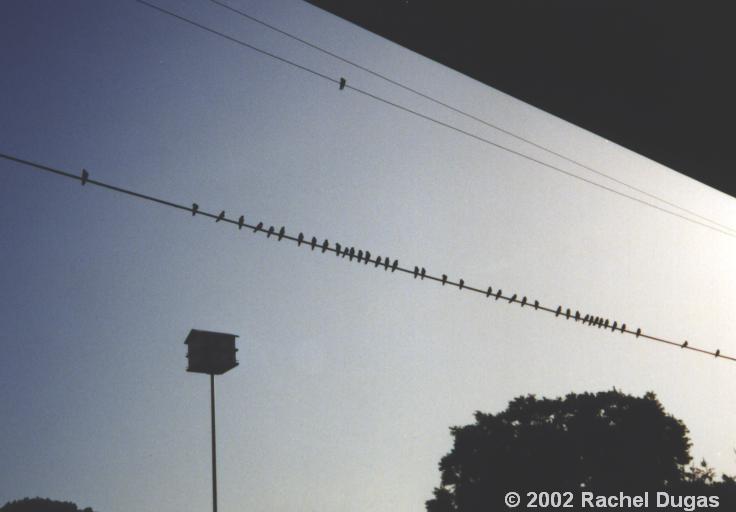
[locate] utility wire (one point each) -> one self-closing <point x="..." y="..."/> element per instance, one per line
<point x="463" y="113"/>
<point x="365" y="258"/>
<point x="342" y="82"/>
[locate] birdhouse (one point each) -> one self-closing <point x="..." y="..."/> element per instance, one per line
<point x="209" y="352"/>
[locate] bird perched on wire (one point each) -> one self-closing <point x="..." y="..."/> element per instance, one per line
<point x="567" y="314"/>
<point x="337" y="249"/>
<point x="195" y="208"/>
<point x="444" y="279"/>
<point x="270" y="232"/>
<point x="684" y="344"/>
<point x="313" y="242"/>
<point x="512" y="299"/>
<point x="241" y="221"/>
<point x="325" y="245"/>
<point x="258" y="228"/>
<point x="523" y="301"/>
<point x="613" y="327"/>
<point x="378" y="262"/>
<point x="416" y="272"/>
<point x="221" y="216"/>
<point x="536" y="304"/>
<point x="499" y="292"/>
<point x="85" y="176"/>
<point x="577" y="315"/>
<point x="605" y="324"/>
<point x="282" y="231"/>
<point x="395" y="266"/>
<point x="422" y="273"/>
<point x="386" y="263"/>
<point x="718" y="352"/>
<point x="360" y="256"/>
<point x="559" y="310"/>
<point x="489" y="291"/>
<point x="351" y="254"/>
<point x="585" y="319"/>
<point x="367" y="257"/>
<point x="299" y="239"/>
<point x="461" y="284"/>
<point x="623" y="328"/>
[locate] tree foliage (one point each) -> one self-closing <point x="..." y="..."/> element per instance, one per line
<point x="41" y="505"/>
<point x="606" y="442"/>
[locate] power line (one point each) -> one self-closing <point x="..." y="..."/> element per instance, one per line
<point x="366" y="258"/>
<point x="462" y="112"/>
<point x="344" y="85"/>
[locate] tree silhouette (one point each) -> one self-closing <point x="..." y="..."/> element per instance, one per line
<point x="41" y="505"/>
<point x="605" y="443"/>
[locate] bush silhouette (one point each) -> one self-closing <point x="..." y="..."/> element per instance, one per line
<point x="41" y="505"/>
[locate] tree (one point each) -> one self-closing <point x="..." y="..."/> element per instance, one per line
<point x="606" y="443"/>
<point x="41" y="505"/>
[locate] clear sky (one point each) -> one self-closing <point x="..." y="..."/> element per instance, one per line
<point x="349" y="377"/>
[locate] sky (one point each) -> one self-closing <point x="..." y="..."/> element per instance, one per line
<point x="350" y="377"/>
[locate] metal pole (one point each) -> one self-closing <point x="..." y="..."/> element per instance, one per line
<point x="214" y="453"/>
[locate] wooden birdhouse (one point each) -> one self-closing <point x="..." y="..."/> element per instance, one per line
<point x="209" y="352"/>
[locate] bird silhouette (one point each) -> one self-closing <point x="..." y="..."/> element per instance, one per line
<point x="684" y="344"/>
<point x="605" y="324"/>
<point x="85" y="176"/>
<point x="337" y="249"/>
<point x="342" y="83"/>
<point x="638" y="332"/>
<point x="423" y="273"/>
<point x="559" y="310"/>
<point x="360" y="256"/>
<point x="300" y="239"/>
<point x="461" y="284"/>
<point x="195" y="207"/>
<point x="499" y="292"/>
<point x="512" y="299"/>
<point x="270" y="232"/>
<point x="523" y="301"/>
<point x="416" y="272"/>
<point x="367" y="257"/>
<point x="386" y="263"/>
<point x="282" y="231"/>
<point x="325" y="245"/>
<point x="241" y="221"/>
<point x="585" y="319"/>
<point x="718" y="352"/>
<point x="623" y="328"/>
<point x="444" y="279"/>
<point x="395" y="266"/>
<point x="567" y="314"/>
<point x="313" y="243"/>
<point x="536" y="304"/>
<point x="351" y="254"/>
<point x="613" y="327"/>
<point x="577" y="315"/>
<point x="258" y="227"/>
<point x="489" y="291"/>
<point x="221" y="216"/>
<point x="378" y="262"/>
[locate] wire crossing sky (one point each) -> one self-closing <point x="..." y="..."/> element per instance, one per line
<point x="377" y="261"/>
<point x="464" y="113"/>
<point x="344" y="84"/>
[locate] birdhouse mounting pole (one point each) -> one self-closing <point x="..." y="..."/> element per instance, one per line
<point x="214" y="451"/>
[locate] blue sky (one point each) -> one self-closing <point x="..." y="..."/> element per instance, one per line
<point x="349" y="377"/>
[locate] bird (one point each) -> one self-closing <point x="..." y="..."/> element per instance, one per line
<point x="605" y="324"/>
<point x="221" y="216"/>
<point x="342" y="83"/>
<point x="195" y="207"/>
<point x="351" y="254"/>
<point x="299" y="239"/>
<point x="536" y="304"/>
<point x="85" y="176"/>
<point x="313" y="243"/>
<point x="512" y="299"/>
<point x="258" y="227"/>
<point x="325" y="245"/>
<point x="559" y="310"/>
<point x="567" y="314"/>
<point x="499" y="292"/>
<point x="386" y="262"/>
<point x="489" y="291"/>
<point x="585" y="319"/>
<point x="241" y="221"/>
<point x="523" y="301"/>
<point x="718" y="352"/>
<point x="378" y="261"/>
<point x="684" y="344"/>
<point x="461" y="284"/>
<point x="337" y="249"/>
<point x="638" y="332"/>
<point x="360" y="256"/>
<point x="416" y="272"/>
<point x="367" y="257"/>
<point x="281" y="232"/>
<point x="623" y="328"/>
<point x="444" y="279"/>
<point x="577" y="315"/>
<point x="395" y="266"/>
<point x="613" y="327"/>
<point x="600" y="323"/>
<point x="423" y="273"/>
<point x="270" y="232"/>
